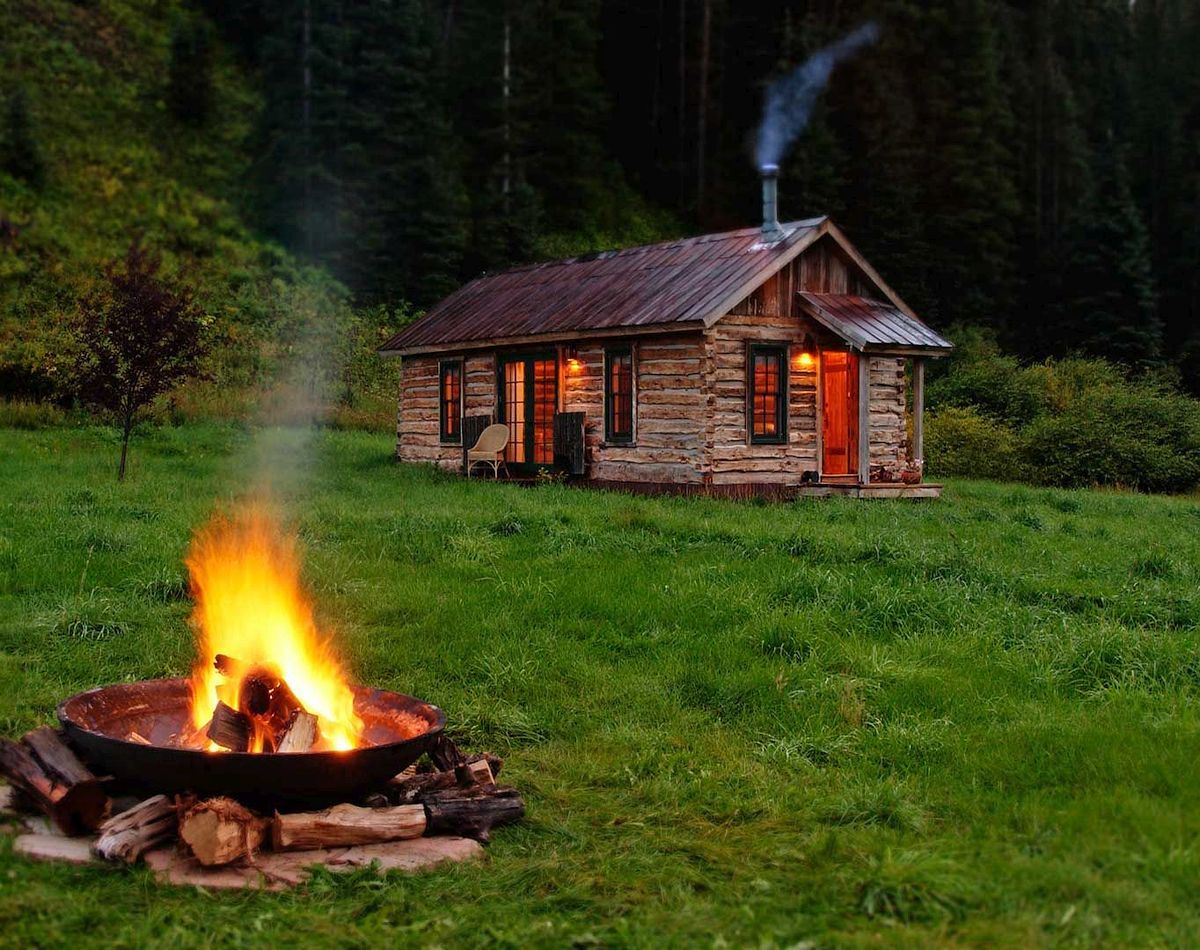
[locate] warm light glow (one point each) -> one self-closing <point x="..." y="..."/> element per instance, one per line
<point x="574" y="365"/>
<point x="250" y="606"/>
<point x="805" y="360"/>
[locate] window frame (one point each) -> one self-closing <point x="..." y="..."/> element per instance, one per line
<point x="444" y="436"/>
<point x="780" y="350"/>
<point x="611" y="437"/>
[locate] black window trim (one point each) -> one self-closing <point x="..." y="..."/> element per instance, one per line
<point x="781" y="410"/>
<point x="609" y="437"/>
<point x="460" y="364"/>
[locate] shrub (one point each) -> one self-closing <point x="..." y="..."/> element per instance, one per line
<point x="21" y="414"/>
<point x="1130" y="436"/>
<point x="963" y="442"/>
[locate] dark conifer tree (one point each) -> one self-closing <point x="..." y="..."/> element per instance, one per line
<point x="20" y="154"/>
<point x="190" y="70"/>
<point x="1108" y="283"/>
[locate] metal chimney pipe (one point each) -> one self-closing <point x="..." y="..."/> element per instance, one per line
<point x="770" y="197"/>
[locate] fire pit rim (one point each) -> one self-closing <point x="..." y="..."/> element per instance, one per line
<point x="312" y="776"/>
<point x="437" y="726"/>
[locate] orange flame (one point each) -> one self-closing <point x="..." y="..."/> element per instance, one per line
<point x="250" y="606"/>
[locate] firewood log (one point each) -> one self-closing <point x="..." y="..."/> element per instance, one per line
<point x="344" y="825"/>
<point x="409" y="790"/>
<point x="220" y="830"/>
<point x="300" y="735"/>
<point x="472" y="812"/>
<point x="51" y="776"/>
<point x="230" y="728"/>
<point x="129" y="835"/>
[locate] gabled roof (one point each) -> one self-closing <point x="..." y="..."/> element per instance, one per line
<point x="673" y="285"/>
<point x="687" y="284"/>
<point x="871" y="324"/>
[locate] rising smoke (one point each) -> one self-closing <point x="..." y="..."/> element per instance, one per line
<point x="790" y="100"/>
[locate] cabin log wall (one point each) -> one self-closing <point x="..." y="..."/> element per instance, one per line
<point x="669" y="411"/>
<point x="731" y="458"/>
<point x="418" y="420"/>
<point x="889" y="425"/>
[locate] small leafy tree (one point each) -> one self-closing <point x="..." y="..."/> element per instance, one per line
<point x="141" y="335"/>
<point x="19" y="152"/>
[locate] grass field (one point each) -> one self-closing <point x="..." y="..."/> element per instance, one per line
<point x="844" y="722"/>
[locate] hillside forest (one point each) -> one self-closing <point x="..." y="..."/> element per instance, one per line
<point x="323" y="169"/>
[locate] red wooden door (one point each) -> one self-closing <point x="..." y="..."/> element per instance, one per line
<point x="839" y="430"/>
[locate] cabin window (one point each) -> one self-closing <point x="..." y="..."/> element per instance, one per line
<point x="618" y="395"/>
<point x="767" y="394"/>
<point x="450" y="377"/>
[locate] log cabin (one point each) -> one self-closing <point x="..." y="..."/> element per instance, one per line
<point x="771" y="360"/>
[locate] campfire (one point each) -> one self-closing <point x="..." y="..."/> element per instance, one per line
<point x="267" y="747"/>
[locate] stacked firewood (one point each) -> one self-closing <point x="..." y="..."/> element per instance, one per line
<point x="446" y="794"/>
<point x="266" y="708"/>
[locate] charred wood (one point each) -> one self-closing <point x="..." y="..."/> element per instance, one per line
<point x="472" y="812"/>
<point x="51" y="777"/>
<point x="230" y="729"/>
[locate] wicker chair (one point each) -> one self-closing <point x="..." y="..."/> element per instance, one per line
<point x="489" y="449"/>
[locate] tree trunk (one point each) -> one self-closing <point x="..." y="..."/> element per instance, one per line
<point x="126" y="431"/>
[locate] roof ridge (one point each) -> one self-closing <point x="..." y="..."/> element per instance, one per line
<point x="609" y="253"/>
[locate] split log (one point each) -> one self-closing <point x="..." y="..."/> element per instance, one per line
<point x="220" y="830"/>
<point x="129" y="835"/>
<point x="472" y="812"/>
<point x="344" y="825"/>
<point x="51" y="776"/>
<point x="230" y="729"/>
<point x="300" y="735"/>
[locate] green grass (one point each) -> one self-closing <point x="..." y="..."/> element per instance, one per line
<point x="972" y="721"/>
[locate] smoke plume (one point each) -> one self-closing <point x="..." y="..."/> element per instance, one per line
<point x="790" y="100"/>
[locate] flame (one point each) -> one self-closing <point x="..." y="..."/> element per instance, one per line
<point x="251" y="606"/>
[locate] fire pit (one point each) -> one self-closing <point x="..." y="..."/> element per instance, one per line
<point x="234" y="766"/>
<point x="397" y="729"/>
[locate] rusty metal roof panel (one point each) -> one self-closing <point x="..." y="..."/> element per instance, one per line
<point x="672" y="283"/>
<point x="871" y="324"/>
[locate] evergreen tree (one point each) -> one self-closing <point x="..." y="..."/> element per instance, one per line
<point x="20" y="154"/>
<point x="972" y="196"/>
<point x="1108" y="285"/>
<point x="190" y="70"/>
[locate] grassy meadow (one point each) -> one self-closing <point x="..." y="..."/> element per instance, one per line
<point x="970" y="721"/>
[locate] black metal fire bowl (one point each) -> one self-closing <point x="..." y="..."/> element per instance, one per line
<point x="99" y="722"/>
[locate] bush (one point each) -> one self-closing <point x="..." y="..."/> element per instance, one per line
<point x="1132" y="437"/>
<point x="1071" y="423"/>
<point x="965" y="443"/>
<point x="21" y="414"/>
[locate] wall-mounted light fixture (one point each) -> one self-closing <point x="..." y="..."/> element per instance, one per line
<point x="806" y="358"/>
<point x="571" y="355"/>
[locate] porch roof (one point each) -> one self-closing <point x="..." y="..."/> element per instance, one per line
<point x="872" y="325"/>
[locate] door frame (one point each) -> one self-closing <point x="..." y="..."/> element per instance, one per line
<point x="853" y="414"/>
<point x="528" y="357"/>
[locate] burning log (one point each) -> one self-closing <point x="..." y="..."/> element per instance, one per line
<point x="472" y="812"/>
<point x="344" y="825"/>
<point x="300" y="735"/>
<point x="129" y="835"/>
<point x="265" y="697"/>
<point x="51" y="776"/>
<point x="220" y="830"/>
<point x="230" y="729"/>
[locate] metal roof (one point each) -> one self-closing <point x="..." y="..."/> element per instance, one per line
<point x="672" y="285"/>
<point x="871" y="324"/>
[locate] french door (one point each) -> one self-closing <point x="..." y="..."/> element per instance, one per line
<point x="839" y="405"/>
<point x="528" y="399"/>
